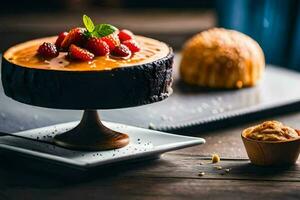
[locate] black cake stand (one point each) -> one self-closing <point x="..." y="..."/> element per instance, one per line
<point x="89" y="90"/>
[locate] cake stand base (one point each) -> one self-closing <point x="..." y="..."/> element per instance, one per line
<point x="91" y="134"/>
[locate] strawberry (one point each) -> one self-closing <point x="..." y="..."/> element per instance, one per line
<point x="125" y="35"/>
<point x="48" y="50"/>
<point x="97" y="46"/>
<point x="81" y="54"/>
<point x="60" y="38"/>
<point x="75" y="36"/>
<point x="121" y="51"/>
<point x="132" y="45"/>
<point x="112" y="40"/>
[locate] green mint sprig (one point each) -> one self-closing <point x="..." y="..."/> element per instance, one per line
<point x="100" y="30"/>
<point x="88" y="23"/>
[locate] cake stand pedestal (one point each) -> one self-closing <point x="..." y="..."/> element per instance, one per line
<point x="91" y="134"/>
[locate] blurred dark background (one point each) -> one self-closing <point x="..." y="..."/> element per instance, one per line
<point x="275" y="24"/>
<point x="172" y="21"/>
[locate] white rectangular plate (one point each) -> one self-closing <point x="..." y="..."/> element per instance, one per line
<point x="143" y="143"/>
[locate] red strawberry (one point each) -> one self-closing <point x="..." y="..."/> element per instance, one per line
<point x="97" y="46"/>
<point x="48" y="50"/>
<point x="112" y="40"/>
<point x="78" y="53"/>
<point x="75" y="36"/>
<point x="60" y="38"/>
<point x="132" y="45"/>
<point x="125" y="35"/>
<point x="121" y="51"/>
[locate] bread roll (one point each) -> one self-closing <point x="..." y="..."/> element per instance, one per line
<point x="220" y="58"/>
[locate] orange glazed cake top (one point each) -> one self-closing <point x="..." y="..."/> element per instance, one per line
<point x="25" y="55"/>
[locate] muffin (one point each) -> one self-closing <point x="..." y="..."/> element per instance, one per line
<point x="271" y="131"/>
<point x="272" y="143"/>
<point x="220" y="58"/>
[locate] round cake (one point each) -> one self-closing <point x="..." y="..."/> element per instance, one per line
<point x="102" y="83"/>
<point x="220" y="58"/>
<point x="97" y="66"/>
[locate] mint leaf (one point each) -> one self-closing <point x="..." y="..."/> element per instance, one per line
<point x="103" y="30"/>
<point x="88" y="23"/>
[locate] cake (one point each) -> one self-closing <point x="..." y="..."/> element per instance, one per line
<point x="95" y="67"/>
<point x="89" y="68"/>
<point x="220" y="58"/>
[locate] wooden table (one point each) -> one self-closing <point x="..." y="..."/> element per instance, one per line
<point x="174" y="176"/>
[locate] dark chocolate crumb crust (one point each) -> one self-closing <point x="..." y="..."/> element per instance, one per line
<point x="107" y="89"/>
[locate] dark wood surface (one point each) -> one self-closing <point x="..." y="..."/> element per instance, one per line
<point x="174" y="176"/>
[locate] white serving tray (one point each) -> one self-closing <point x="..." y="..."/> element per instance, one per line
<point x="143" y="143"/>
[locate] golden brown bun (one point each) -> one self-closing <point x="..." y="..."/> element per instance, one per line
<point x="220" y="58"/>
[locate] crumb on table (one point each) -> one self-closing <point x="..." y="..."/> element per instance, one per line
<point x="201" y="174"/>
<point x="218" y="167"/>
<point x="215" y="158"/>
